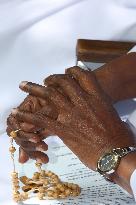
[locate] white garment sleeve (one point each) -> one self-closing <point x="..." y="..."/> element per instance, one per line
<point x="133" y="183"/>
<point x="132" y="120"/>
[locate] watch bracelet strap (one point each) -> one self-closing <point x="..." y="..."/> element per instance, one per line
<point x="124" y="151"/>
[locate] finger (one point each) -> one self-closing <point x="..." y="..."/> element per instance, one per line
<point x="70" y="87"/>
<point x="30" y="104"/>
<point x="31" y="137"/>
<point x="85" y="78"/>
<point x="37" y="119"/>
<point x="13" y="125"/>
<point x="24" y="136"/>
<point x="11" y="120"/>
<point x="78" y="96"/>
<point x="41" y="92"/>
<point x="40" y="119"/>
<point x="56" y="127"/>
<point x="40" y="157"/>
<point x="34" y="137"/>
<point x="9" y="130"/>
<point x="27" y="148"/>
<point x="32" y="88"/>
<point x="65" y="133"/>
<point x="50" y="93"/>
<point x="27" y="131"/>
<point x="28" y="127"/>
<point x="23" y="156"/>
<point x="97" y="99"/>
<point x="45" y="133"/>
<point x="88" y="82"/>
<point x="30" y="146"/>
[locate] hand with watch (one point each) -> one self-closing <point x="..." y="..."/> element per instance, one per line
<point x="109" y="162"/>
<point x="86" y="120"/>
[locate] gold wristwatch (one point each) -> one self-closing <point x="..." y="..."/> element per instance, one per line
<point x="108" y="163"/>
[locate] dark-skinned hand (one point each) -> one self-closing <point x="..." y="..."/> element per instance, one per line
<point x="86" y="122"/>
<point x="111" y="81"/>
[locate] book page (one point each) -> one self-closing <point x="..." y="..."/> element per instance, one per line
<point x="95" y="189"/>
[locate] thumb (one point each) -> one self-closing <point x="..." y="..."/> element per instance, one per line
<point x="23" y="156"/>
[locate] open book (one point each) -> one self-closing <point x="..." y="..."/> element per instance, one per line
<point x="95" y="189"/>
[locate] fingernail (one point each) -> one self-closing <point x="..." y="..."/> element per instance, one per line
<point x="44" y="159"/>
<point x="23" y="84"/>
<point x="34" y="139"/>
<point x="14" y="111"/>
<point x="27" y="127"/>
<point x="23" y="157"/>
<point x="42" y="148"/>
<point x="38" y="160"/>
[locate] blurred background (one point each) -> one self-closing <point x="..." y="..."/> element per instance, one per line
<point x="38" y="38"/>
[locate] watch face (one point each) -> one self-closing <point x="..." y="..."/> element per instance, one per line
<point x="108" y="162"/>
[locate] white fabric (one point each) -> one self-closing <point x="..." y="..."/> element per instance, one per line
<point x="38" y="38"/>
<point x="132" y="120"/>
<point x="133" y="183"/>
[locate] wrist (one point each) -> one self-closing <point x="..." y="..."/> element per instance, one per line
<point x="126" y="167"/>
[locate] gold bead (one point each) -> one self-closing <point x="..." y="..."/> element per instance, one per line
<point x="40" y="196"/>
<point x="54" y="176"/>
<point x="24" y="195"/>
<point x="12" y="149"/>
<point x="37" y="164"/>
<point x="49" y="173"/>
<point x="42" y="179"/>
<point x="41" y="190"/>
<point x="42" y="173"/>
<point x="75" y="193"/>
<point x="26" y="188"/>
<point x="16" y="196"/>
<point x="16" y="193"/>
<point x="66" y="184"/>
<point x="74" y="186"/>
<point x="17" y="199"/>
<point x="15" y="182"/>
<point x="13" y="134"/>
<point x="56" y="190"/>
<point x="14" y="174"/>
<point x="70" y="185"/>
<point x="60" y="185"/>
<point x="50" y="193"/>
<point x="55" y="195"/>
<point x="45" y="182"/>
<point x="55" y="181"/>
<point x="67" y="192"/>
<point x="16" y="187"/>
<point x="62" y="196"/>
<point x="36" y="176"/>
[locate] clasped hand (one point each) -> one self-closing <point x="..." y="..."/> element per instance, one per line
<point x="74" y="107"/>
